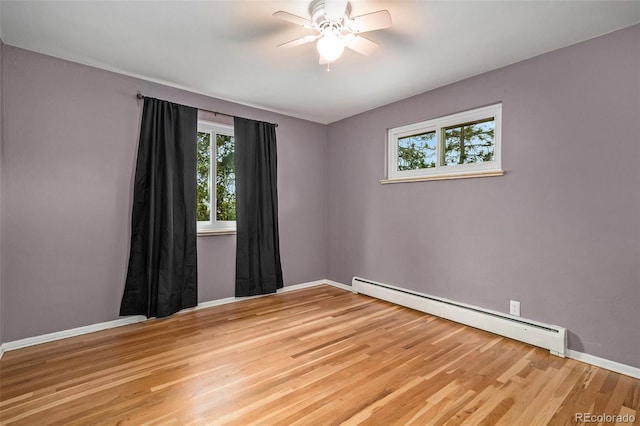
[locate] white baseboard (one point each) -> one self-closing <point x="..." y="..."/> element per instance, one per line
<point x="285" y="289"/>
<point x="50" y="337"/>
<point x="44" y="338"/>
<point x="604" y="363"/>
<point x="36" y="340"/>
<point x="338" y="285"/>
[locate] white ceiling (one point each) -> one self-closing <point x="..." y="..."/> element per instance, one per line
<point x="227" y="49"/>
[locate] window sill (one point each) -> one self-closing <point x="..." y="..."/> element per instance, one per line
<point x="486" y="173"/>
<point x="211" y="232"/>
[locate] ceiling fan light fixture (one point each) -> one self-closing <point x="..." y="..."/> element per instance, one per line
<point x="330" y="46"/>
<point x="336" y="29"/>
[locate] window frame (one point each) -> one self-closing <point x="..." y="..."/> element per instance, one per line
<point x="487" y="168"/>
<point x="214" y="226"/>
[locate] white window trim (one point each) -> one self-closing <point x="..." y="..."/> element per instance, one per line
<point x="214" y="227"/>
<point x="458" y="171"/>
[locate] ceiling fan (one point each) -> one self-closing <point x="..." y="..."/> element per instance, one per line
<point x="336" y="29"/>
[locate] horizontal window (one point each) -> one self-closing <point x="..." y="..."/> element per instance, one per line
<point x="455" y="145"/>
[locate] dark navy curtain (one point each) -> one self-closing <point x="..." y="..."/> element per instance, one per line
<point x="162" y="275"/>
<point x="258" y="269"/>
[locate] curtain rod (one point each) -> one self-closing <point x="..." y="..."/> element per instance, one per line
<point x="141" y="96"/>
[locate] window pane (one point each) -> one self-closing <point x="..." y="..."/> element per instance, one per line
<point x="417" y="151"/>
<point x="469" y="143"/>
<point x="203" y="210"/>
<point x="225" y="178"/>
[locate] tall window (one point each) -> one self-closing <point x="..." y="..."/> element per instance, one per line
<point x="216" y="209"/>
<point x="459" y="145"/>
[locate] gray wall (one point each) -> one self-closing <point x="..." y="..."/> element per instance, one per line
<point x="560" y="232"/>
<point x="70" y="144"/>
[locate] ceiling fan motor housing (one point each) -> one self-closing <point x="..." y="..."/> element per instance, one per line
<point x="316" y="10"/>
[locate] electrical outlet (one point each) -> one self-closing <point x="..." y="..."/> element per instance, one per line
<point x="514" y="308"/>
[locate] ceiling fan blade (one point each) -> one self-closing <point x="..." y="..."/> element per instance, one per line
<point x="289" y="17"/>
<point x="362" y="45"/>
<point x="334" y="9"/>
<point x="370" y="22"/>
<point x="299" y="41"/>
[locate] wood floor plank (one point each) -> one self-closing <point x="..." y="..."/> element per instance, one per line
<point x="315" y="356"/>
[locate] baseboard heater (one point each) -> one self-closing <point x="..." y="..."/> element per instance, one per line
<point x="550" y="337"/>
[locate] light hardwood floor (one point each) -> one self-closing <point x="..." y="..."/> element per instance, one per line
<point x="317" y="356"/>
